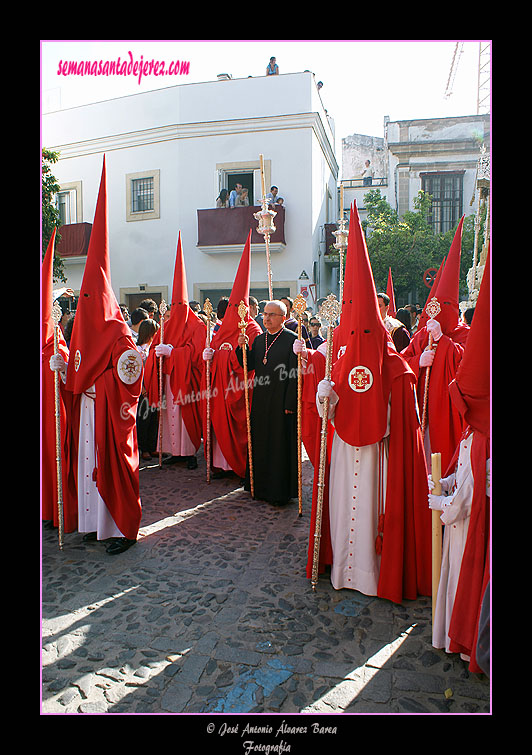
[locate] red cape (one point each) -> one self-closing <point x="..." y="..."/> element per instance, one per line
<point x="99" y="337"/>
<point x="405" y="570"/>
<point x="475" y="571"/>
<point x="444" y="421"/>
<point x="310" y="419"/>
<point x="228" y="407"/>
<point x="48" y="454"/>
<point x="49" y="497"/>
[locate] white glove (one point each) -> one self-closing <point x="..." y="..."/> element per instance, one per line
<point x="439" y="502"/>
<point x="57" y="363"/>
<point x="324" y="389"/>
<point x="300" y="348"/>
<point x="445" y="482"/>
<point x="434" y="327"/>
<point x="163" y="350"/>
<point x="426" y="359"/>
<point x="208" y="354"/>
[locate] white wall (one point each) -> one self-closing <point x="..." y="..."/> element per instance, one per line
<point x="184" y="132"/>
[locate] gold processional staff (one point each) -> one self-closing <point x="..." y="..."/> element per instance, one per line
<point x="242" y="312"/>
<point x="299" y="307"/>
<point x="329" y="312"/>
<point x="207" y="308"/>
<point x="433" y="309"/>
<point x="56" y="317"/>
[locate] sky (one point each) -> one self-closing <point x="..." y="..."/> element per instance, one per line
<point x="363" y="80"/>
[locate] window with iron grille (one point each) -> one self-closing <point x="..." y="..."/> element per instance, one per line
<point x="142" y="195"/>
<point x="446" y="190"/>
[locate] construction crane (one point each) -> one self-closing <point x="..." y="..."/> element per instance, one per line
<point x="458" y="49"/>
<point x="483" y="81"/>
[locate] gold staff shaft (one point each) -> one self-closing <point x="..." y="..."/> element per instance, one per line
<point x="329" y="311"/>
<point x="299" y="307"/>
<point x="426" y="393"/>
<point x="207" y="308"/>
<point x="242" y="311"/>
<point x="266" y="234"/>
<point x="58" y="460"/>
<point x="162" y="310"/>
<point x="321" y="468"/>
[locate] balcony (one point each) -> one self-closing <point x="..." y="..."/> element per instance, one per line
<point x="74" y="241"/>
<point x="226" y="230"/>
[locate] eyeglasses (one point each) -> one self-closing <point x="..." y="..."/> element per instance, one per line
<point x="314" y="323"/>
<point x="273" y="314"/>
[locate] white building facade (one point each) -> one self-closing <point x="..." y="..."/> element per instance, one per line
<point x="436" y="155"/>
<point x="168" y="153"/>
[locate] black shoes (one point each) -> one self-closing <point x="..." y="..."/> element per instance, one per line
<point x="119" y="545"/>
<point x="192" y="462"/>
<point x="115" y="545"/>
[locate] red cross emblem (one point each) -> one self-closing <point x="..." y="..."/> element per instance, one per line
<point x="360" y="379"/>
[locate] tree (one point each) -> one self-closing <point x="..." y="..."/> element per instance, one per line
<point x="407" y="245"/>
<point x="50" y="214"/>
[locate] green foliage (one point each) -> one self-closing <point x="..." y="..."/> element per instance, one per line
<point x="407" y="245"/>
<point x="50" y="215"/>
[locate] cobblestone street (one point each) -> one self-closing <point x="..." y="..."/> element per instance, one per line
<point x="211" y="613"/>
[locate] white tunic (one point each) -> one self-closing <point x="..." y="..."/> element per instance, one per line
<point x="93" y="514"/>
<point x="353" y="510"/>
<point x="176" y="439"/>
<point x="455" y="517"/>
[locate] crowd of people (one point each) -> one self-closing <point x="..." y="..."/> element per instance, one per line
<point x="379" y="397"/>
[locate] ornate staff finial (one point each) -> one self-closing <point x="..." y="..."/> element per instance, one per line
<point x="433" y="308"/>
<point x="331" y="309"/>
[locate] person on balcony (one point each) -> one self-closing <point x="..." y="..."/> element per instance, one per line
<point x="234" y="195"/>
<point x="222" y="199"/>
<point x="242" y="199"/>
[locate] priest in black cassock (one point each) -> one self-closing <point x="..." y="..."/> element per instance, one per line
<point x="273" y="408"/>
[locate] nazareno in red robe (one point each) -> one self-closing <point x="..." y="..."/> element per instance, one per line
<point x="406" y="558"/>
<point x="228" y="407"/>
<point x="49" y="493"/>
<point x="228" y="401"/>
<point x="99" y="338"/>
<point x="187" y="334"/>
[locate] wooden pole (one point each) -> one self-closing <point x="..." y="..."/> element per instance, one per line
<point x="436" y="531"/>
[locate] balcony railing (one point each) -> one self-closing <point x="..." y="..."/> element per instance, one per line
<point x="219" y="229"/>
<point x="358" y="183"/>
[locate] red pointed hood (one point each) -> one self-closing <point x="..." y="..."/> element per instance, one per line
<point x="98" y="324"/>
<point x="47" y="292"/>
<point x="470" y="390"/>
<point x="390" y="292"/>
<point x="447" y="292"/>
<point x="181" y="316"/>
<point x="363" y="375"/>
<point x="229" y="330"/>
